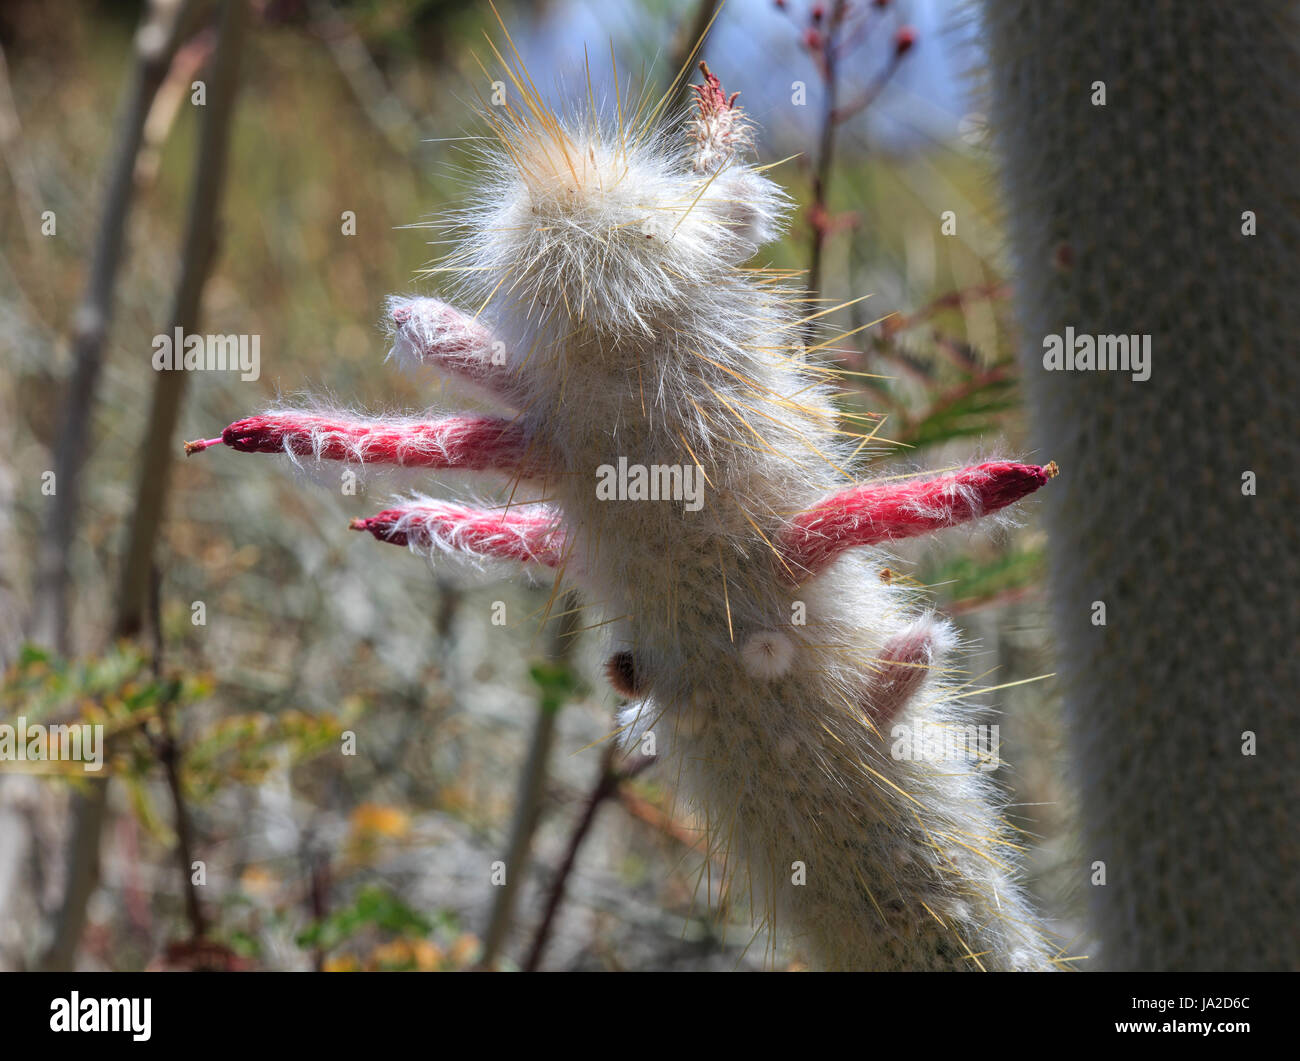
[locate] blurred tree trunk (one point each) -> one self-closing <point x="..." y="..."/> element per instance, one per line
<point x="163" y="27"/>
<point x="198" y="252"/>
<point x="1149" y="154"/>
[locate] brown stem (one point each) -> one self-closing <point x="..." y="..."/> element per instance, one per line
<point x="161" y="30"/>
<point x="532" y="784"/>
<point x="873" y="90"/>
<point x="398" y="125"/>
<point x="607" y="785"/>
<point x="820" y="210"/>
<point x="318" y="896"/>
<point x="949" y="300"/>
<point x="168" y="752"/>
<point x="19" y="162"/>
<point x="88" y="812"/>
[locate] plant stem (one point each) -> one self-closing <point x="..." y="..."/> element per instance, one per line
<point x="532" y="784"/>
<point x="820" y="210"/>
<point x="167" y="749"/>
<point x="690" y="46"/>
<point x="608" y="783"/>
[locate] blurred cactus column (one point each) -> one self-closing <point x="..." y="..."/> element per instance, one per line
<point x="1149" y="156"/>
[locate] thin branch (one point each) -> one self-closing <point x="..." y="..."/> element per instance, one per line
<point x="872" y="92"/>
<point x="400" y="126"/>
<point x="690" y="46"/>
<point x="21" y="171"/>
<point x="532" y="785"/>
<point x="167" y="750"/>
<point x="88" y="812"/>
<point x="608" y="783"/>
<point x="819" y="210"/>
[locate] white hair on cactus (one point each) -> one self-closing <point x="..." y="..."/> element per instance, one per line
<point x="953" y="493"/>
<point x="767" y="653"/>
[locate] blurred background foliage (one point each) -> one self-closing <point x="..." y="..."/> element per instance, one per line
<point x="382" y="859"/>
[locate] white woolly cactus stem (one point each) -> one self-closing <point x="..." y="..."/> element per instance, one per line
<point x="757" y="641"/>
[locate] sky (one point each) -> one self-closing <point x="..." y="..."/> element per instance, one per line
<point x="755" y="48"/>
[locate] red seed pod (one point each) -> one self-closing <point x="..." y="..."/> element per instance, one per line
<point x="527" y="536"/>
<point x="874" y="513"/>
<point x="474" y="443"/>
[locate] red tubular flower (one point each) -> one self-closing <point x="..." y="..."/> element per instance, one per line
<point x="874" y="513"/>
<point x="474" y="443"/>
<point x="529" y="536"/>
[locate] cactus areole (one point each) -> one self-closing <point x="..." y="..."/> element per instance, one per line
<point x="655" y="391"/>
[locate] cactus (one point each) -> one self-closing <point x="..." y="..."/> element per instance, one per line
<point x="1149" y="155"/>
<point x="699" y="494"/>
